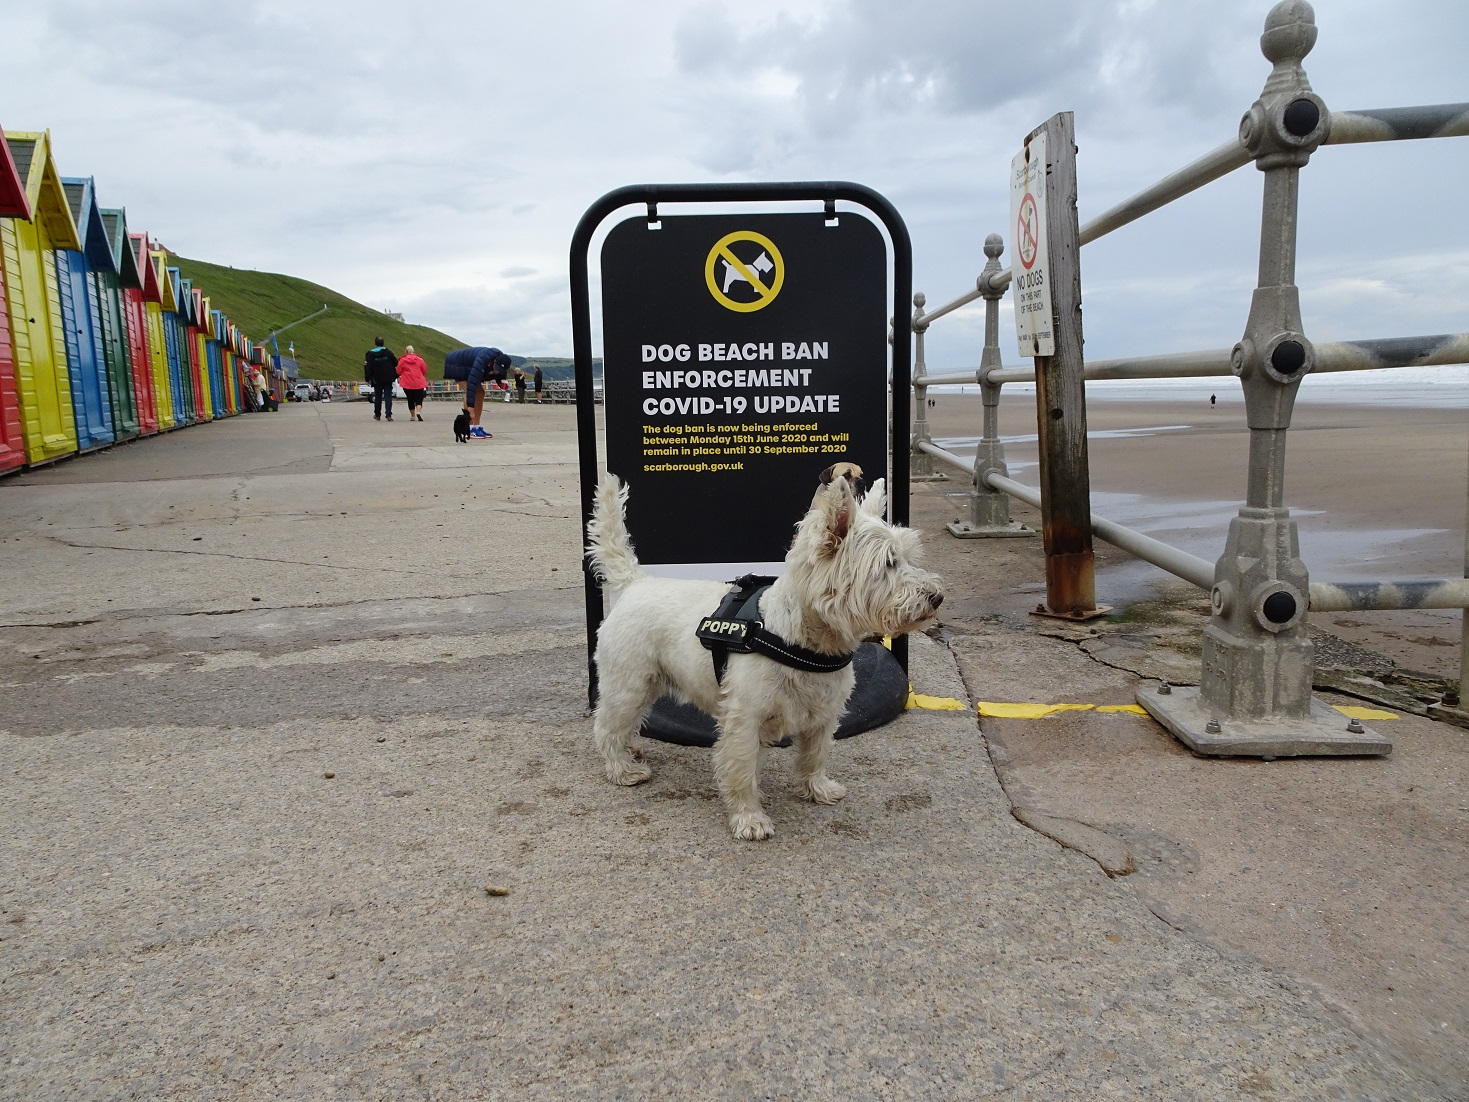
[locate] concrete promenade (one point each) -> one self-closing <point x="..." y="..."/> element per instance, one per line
<point x="282" y="696"/>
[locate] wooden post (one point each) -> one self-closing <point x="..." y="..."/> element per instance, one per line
<point x="1060" y="393"/>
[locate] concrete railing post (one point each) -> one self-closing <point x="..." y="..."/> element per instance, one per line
<point x="1255" y="696"/>
<point x="920" y="463"/>
<point x="989" y="509"/>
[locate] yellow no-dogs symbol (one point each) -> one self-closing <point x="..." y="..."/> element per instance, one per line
<point x="744" y="271"/>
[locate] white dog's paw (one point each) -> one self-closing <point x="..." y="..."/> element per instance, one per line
<point x="822" y="790"/>
<point x="618" y="773"/>
<point x="752" y="826"/>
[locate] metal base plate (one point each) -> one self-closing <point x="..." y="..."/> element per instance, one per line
<point x="1072" y="617"/>
<point x="966" y="531"/>
<point x="1323" y="732"/>
<point x="937" y="476"/>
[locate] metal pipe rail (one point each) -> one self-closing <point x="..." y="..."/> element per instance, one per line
<point x="1324" y="596"/>
<point x="1429" y="351"/>
<point x="1390" y="124"/>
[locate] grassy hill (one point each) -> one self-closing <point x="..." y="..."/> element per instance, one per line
<point x="330" y="345"/>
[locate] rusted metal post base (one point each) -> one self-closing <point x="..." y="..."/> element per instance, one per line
<point x="1323" y="732"/>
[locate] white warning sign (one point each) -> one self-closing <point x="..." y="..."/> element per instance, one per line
<point x="1034" y="328"/>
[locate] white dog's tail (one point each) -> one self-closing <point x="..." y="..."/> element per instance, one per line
<point x="609" y="547"/>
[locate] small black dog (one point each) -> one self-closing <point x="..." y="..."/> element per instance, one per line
<point x="461" y="428"/>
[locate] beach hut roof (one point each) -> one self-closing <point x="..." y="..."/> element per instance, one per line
<point x="115" y="222"/>
<point x="166" y="293"/>
<point x="181" y="296"/>
<point x="188" y="308"/>
<point x="151" y="291"/>
<point x="31" y="152"/>
<point x="13" y="202"/>
<point x="81" y="196"/>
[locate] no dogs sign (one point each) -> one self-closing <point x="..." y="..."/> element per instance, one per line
<point x="743" y="354"/>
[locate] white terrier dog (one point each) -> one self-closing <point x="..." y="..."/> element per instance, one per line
<point x="849" y="574"/>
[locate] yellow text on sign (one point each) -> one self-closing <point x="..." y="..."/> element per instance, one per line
<point x="767" y="265"/>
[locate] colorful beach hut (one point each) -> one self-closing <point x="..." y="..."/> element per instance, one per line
<point x="13" y="204"/>
<point x="195" y="340"/>
<point x="182" y="319"/>
<point x="179" y="385"/>
<point x="152" y="298"/>
<point x="28" y="253"/>
<point x="209" y="344"/>
<point x="81" y="319"/>
<point x="134" y="318"/>
<point x="112" y="328"/>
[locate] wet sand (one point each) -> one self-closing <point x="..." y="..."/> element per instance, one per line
<point x="1378" y="493"/>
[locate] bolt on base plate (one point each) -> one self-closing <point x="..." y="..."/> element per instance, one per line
<point x="966" y="531"/>
<point x="1325" y="732"/>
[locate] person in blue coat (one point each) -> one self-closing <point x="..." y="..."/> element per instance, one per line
<point x="475" y="367"/>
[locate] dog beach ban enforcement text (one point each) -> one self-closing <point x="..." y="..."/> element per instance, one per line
<point x="741" y="353"/>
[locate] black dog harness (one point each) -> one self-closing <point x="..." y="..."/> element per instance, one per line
<point x="735" y="626"/>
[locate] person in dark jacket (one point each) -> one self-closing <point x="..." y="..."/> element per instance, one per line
<point x="475" y="366"/>
<point x="380" y="368"/>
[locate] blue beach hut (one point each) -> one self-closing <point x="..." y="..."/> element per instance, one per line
<point x="81" y="318"/>
<point x="111" y="284"/>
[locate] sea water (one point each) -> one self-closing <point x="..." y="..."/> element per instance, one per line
<point x="1436" y="387"/>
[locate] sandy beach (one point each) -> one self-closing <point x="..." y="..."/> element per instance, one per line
<point x="1378" y="493"/>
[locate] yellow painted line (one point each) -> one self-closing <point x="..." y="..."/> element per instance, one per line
<point x="1354" y="711"/>
<point x="935" y="703"/>
<point x="1001" y="710"/>
<point x="1019" y="710"/>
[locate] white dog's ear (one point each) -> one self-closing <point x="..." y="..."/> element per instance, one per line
<point x="875" y="504"/>
<point x="835" y="506"/>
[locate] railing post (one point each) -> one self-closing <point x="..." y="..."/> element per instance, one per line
<point x="1255" y="697"/>
<point x="1060" y="394"/>
<point x="989" y="509"/>
<point x="920" y="463"/>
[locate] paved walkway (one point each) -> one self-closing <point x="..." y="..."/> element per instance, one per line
<point x="285" y="694"/>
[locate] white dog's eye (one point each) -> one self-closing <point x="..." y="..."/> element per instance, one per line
<point x="892" y="561"/>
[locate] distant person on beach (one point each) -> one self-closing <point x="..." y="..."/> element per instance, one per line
<point x="413" y="374"/>
<point x="475" y="367"/>
<point x="1212" y="399"/>
<point x="539" y="381"/>
<point x="380" y="368"/>
<point x="257" y="382"/>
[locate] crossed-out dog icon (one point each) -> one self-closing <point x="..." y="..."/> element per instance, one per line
<point x="762" y="264"/>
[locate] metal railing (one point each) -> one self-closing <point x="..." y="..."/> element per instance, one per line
<point x="1255" y="696"/>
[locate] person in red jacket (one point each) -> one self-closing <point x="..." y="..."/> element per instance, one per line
<point x="413" y="374"/>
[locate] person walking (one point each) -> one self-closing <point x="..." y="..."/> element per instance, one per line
<point x="380" y="368"/>
<point x="257" y="381"/>
<point x="475" y="366"/>
<point x="539" y="381"/>
<point x="413" y="374"/>
<point x="520" y="387"/>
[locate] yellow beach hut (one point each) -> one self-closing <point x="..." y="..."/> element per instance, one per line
<point x="27" y="250"/>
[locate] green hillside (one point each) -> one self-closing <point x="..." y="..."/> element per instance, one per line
<point x="329" y="346"/>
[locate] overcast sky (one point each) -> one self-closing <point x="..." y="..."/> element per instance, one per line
<point x="434" y="158"/>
